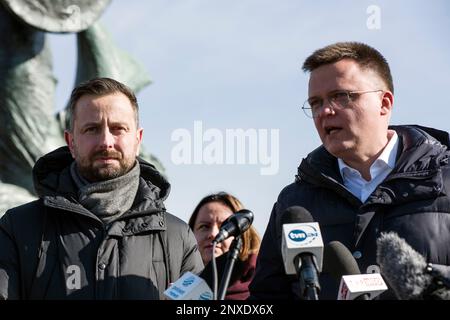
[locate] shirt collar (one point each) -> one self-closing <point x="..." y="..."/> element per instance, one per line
<point x="386" y="158"/>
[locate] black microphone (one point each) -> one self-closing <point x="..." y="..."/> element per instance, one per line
<point x="338" y="261"/>
<point x="408" y="273"/>
<point x="235" y="225"/>
<point x="302" y="250"/>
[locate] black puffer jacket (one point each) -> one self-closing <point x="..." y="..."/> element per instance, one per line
<point x="414" y="201"/>
<point x="54" y="248"/>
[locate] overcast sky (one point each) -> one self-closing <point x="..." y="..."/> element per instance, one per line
<point x="236" y="64"/>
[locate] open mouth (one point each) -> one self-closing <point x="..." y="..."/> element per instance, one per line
<point x="331" y="130"/>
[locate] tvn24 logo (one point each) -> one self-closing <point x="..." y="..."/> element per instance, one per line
<point x="304" y="234"/>
<point x="188" y="281"/>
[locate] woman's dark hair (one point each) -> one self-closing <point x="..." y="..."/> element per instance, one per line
<point x="250" y="239"/>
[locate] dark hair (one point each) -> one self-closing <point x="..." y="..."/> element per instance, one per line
<point x="99" y="87"/>
<point x="250" y="239"/>
<point x="366" y="56"/>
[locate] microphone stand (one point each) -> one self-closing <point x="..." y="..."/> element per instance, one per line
<point x="305" y="265"/>
<point x="233" y="253"/>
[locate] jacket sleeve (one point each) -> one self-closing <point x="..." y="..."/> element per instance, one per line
<point x="192" y="260"/>
<point x="9" y="262"/>
<point x="271" y="281"/>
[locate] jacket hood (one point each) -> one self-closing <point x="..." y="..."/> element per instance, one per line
<point x="442" y="136"/>
<point x="51" y="176"/>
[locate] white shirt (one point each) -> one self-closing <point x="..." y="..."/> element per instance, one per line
<point x="379" y="170"/>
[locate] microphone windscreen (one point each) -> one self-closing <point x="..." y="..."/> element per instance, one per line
<point x="296" y="214"/>
<point x="402" y="266"/>
<point x="338" y="260"/>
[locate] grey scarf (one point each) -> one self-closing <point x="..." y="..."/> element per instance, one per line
<point x="107" y="199"/>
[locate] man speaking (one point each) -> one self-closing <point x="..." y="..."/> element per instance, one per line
<point x="366" y="177"/>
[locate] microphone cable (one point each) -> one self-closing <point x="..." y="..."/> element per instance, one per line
<point x="214" y="269"/>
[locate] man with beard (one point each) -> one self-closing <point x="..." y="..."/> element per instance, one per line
<point x="99" y="229"/>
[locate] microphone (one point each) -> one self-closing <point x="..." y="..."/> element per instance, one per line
<point x="235" y="225"/>
<point x="189" y="287"/>
<point x="302" y="250"/>
<point x="340" y="263"/>
<point x="338" y="260"/>
<point x="407" y="272"/>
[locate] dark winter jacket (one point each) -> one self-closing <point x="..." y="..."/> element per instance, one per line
<point x="54" y="248"/>
<point x="413" y="201"/>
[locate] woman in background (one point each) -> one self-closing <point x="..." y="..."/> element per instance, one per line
<point x="205" y="222"/>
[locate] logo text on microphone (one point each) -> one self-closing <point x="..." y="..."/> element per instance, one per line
<point x="300" y="238"/>
<point x="306" y="233"/>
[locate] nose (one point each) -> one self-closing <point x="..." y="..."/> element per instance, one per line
<point x="106" y="139"/>
<point x="213" y="232"/>
<point x="326" y="109"/>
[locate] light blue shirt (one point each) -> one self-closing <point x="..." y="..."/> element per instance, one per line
<point x="379" y="170"/>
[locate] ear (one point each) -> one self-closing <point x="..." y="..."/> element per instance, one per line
<point x="139" y="135"/>
<point x="69" y="140"/>
<point x="387" y="103"/>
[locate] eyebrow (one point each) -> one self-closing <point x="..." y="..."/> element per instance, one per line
<point x="90" y="124"/>
<point x="203" y="222"/>
<point x="329" y="93"/>
<point x="95" y="124"/>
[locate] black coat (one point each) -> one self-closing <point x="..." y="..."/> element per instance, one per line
<point x="54" y="248"/>
<point x="413" y="201"/>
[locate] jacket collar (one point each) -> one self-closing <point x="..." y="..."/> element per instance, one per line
<point x="53" y="183"/>
<point x="419" y="159"/>
<point x="420" y="155"/>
